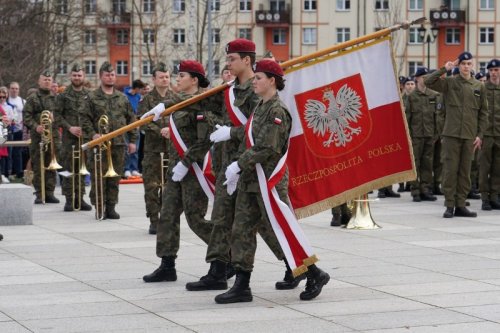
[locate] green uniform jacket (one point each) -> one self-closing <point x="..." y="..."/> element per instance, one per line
<point x="35" y="104"/>
<point x="118" y="109"/>
<point x="466" y="113"/>
<point x="69" y="103"/>
<point x="421" y="113"/>
<point x="270" y="129"/>
<point x="493" y="93"/>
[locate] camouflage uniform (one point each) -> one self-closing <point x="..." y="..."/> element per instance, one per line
<point x="117" y="107"/>
<point x="224" y="204"/>
<point x="466" y="117"/>
<point x="35" y="104"/>
<point x="187" y="195"/>
<point x="421" y="116"/>
<point x="154" y="144"/>
<point x="69" y="103"/>
<point x="271" y="142"/>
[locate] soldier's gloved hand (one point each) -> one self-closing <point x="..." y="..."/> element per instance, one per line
<point x="180" y="171"/>
<point x="232" y="176"/>
<point x="231" y="187"/>
<point x="222" y="133"/>
<point x="157" y="111"/>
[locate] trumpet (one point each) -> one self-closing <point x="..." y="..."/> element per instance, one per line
<point x="47" y="138"/>
<point x="78" y="159"/>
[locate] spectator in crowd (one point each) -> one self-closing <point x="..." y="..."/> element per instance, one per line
<point x="226" y="75"/>
<point x="7" y="113"/>
<point x="133" y="94"/>
<point x="54" y="88"/>
<point x="16" y="153"/>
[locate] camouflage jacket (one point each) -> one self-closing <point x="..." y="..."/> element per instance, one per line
<point x="35" y="104"/>
<point x="118" y="109"/>
<point x="69" y="103"/>
<point x="466" y="112"/>
<point x="421" y="108"/>
<point x="493" y="93"/>
<point x="153" y="141"/>
<point x="270" y="130"/>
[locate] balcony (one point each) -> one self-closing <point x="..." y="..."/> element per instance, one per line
<point x="447" y="18"/>
<point x="115" y="20"/>
<point x="267" y="18"/>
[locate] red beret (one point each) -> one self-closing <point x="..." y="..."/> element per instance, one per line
<point x="240" y="45"/>
<point x="269" y="66"/>
<point x="191" y="66"/>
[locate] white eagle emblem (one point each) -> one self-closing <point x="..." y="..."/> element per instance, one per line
<point x="342" y="111"/>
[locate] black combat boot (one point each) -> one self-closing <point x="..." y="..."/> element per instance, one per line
<point x="401" y="187"/>
<point x="437" y="190"/>
<point x="346" y="214"/>
<point x="407" y="187"/>
<point x="448" y="213"/>
<point x="166" y="271"/>
<point x="230" y="271"/>
<point x="85" y="206"/>
<point x="110" y="212"/>
<point x="239" y="292"/>
<point x="486" y="205"/>
<point x="495" y="204"/>
<point x="1" y="237"/>
<point x="289" y="282"/>
<point x="50" y="198"/>
<point x="152" y="228"/>
<point x="381" y="193"/>
<point x="38" y="200"/>
<point x="464" y="212"/>
<point x="427" y="197"/>
<point x="389" y="193"/>
<point x="214" y="280"/>
<point x="473" y="195"/>
<point x="336" y="218"/>
<point x="68" y="206"/>
<point x="417" y="198"/>
<point x="316" y="280"/>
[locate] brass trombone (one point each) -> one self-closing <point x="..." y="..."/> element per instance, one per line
<point x="78" y="158"/>
<point x="47" y="138"/>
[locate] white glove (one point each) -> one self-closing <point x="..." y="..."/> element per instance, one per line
<point x="157" y="111"/>
<point x="231" y="187"/>
<point x="222" y="133"/>
<point x="180" y="171"/>
<point x="232" y="176"/>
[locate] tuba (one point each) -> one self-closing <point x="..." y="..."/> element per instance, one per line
<point x="47" y="138"/>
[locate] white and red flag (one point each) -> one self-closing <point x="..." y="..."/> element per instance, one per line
<point x="349" y="133"/>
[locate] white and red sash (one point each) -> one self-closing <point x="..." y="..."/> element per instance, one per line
<point x="237" y="117"/>
<point x="204" y="176"/>
<point x="296" y="247"/>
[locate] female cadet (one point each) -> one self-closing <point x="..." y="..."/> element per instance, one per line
<point x="266" y="142"/>
<point x="189" y="143"/>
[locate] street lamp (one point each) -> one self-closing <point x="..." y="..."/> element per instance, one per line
<point x="428" y="36"/>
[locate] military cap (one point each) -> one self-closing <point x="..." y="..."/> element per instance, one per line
<point x="269" y="66"/>
<point x="410" y="78"/>
<point x="160" y="67"/>
<point x="493" y="63"/>
<point x="191" y="66"/>
<point x="46" y="73"/>
<point x="455" y="71"/>
<point x="240" y="45"/>
<point x="106" y="67"/>
<point x="464" y="56"/>
<point x="480" y="75"/>
<point x="402" y="79"/>
<point x="76" y="67"/>
<point x="421" y="71"/>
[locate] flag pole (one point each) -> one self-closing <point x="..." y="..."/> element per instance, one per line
<point x="284" y="65"/>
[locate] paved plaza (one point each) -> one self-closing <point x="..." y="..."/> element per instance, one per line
<point x="419" y="273"/>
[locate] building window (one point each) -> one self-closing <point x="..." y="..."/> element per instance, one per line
<point x="452" y="36"/>
<point x="415" y="5"/>
<point x="60" y="37"/>
<point x="486" y="35"/>
<point x="179" y="36"/>
<point x="215" y="5"/>
<point x="90" y="6"/>
<point x="122" y="37"/>
<point x="343" y="34"/>
<point x="62" y="67"/>
<point x="245" y="33"/>
<point x="148" y="6"/>
<point x="413" y="65"/>
<point x="309" y="36"/>
<point x="179" y="6"/>
<point x="279" y="36"/>
<point x="90" y="67"/>
<point x="343" y="4"/>
<point x="414" y="37"/>
<point x="119" y="6"/>
<point x="454" y="4"/>
<point x="277" y="5"/>
<point x="90" y="37"/>
<point x="381" y="4"/>
<point x="482" y="66"/>
<point x="61" y="7"/>
<point x="216" y="67"/>
<point x="245" y="5"/>
<point x="487" y="4"/>
<point x="147" y="67"/>
<point x="148" y="36"/>
<point x="122" y="67"/>
<point x="215" y="36"/>
<point x="309" y="5"/>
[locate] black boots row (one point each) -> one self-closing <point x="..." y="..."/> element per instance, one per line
<point x="68" y="206"/>
<point x="458" y="211"/>
<point x="490" y="205"/>
<point x="49" y="198"/>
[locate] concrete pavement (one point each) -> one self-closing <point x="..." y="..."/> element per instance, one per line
<point x="419" y="273"/>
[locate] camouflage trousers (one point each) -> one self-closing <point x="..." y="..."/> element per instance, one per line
<point x="489" y="168"/>
<point x="50" y="175"/>
<point x="110" y="184"/>
<point x="423" y="150"/>
<point x="222" y="219"/>
<point x="151" y="175"/>
<point x="69" y="165"/>
<point x="186" y="196"/>
<point x="250" y="216"/>
<point x="457" y="157"/>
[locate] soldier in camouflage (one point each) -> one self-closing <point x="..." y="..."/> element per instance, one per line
<point x="35" y="104"/>
<point x="271" y="125"/>
<point x="183" y="191"/>
<point x="466" y="118"/>
<point x="69" y="103"/>
<point x="156" y="140"/>
<point x="106" y="100"/>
